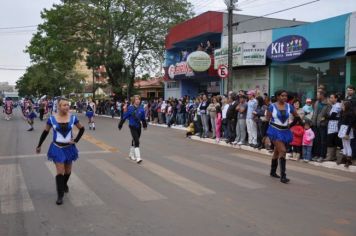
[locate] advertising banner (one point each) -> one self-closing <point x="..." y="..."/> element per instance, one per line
<point x="287" y="48"/>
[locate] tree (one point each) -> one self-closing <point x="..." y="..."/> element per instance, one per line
<point x="119" y="34"/>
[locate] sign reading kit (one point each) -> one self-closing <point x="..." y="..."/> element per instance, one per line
<point x="287" y="48"/>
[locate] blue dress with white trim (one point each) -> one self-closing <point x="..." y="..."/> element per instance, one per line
<point x="60" y="150"/>
<point x="90" y="110"/>
<point x="278" y="129"/>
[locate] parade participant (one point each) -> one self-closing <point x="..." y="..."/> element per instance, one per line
<point x="279" y="133"/>
<point x="62" y="150"/>
<point x="91" y="108"/>
<point x="8" y="107"/>
<point x="31" y="115"/>
<point x="136" y="115"/>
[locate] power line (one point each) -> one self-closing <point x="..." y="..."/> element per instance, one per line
<point x="12" y="69"/>
<point x="18" y="27"/>
<point x="272" y="13"/>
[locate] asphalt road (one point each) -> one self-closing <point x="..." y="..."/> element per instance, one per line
<point x="183" y="187"/>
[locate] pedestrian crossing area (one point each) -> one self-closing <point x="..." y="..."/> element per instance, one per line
<point x="15" y="195"/>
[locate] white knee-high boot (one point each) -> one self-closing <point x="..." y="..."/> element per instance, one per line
<point x="138" y="155"/>
<point x="132" y="153"/>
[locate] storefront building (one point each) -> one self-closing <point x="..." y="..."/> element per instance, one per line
<point x="189" y="62"/>
<point x="251" y="39"/>
<point x="306" y="56"/>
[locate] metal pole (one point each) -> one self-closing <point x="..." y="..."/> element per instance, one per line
<point x="230" y="49"/>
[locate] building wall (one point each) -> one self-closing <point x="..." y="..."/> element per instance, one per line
<point x="328" y="33"/>
<point x="250" y="37"/>
<point x="257" y="24"/>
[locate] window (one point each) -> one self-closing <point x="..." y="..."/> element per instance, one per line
<point x="172" y="85"/>
<point x="304" y="78"/>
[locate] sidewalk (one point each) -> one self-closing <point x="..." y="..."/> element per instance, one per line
<point x="264" y="152"/>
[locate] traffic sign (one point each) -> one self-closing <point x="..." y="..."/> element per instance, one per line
<point x="223" y="71"/>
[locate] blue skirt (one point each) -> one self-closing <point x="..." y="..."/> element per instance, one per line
<point x="65" y="154"/>
<point x="275" y="134"/>
<point x="89" y="114"/>
<point x="32" y="116"/>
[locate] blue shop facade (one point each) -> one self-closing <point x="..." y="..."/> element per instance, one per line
<point x="313" y="54"/>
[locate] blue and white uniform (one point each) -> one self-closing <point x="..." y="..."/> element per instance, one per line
<point x="61" y="150"/>
<point x="90" y="110"/>
<point x="278" y="129"/>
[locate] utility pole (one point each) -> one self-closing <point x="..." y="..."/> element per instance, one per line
<point x="230" y="9"/>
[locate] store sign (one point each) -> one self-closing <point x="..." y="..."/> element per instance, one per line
<point x="244" y="54"/>
<point x="199" y="61"/>
<point x="350" y="34"/>
<point x="221" y="56"/>
<point x="253" y="54"/>
<point x="181" y="68"/>
<point x="287" y="48"/>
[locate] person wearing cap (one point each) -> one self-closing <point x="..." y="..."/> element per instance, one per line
<point x="308" y="109"/>
<point x="250" y="122"/>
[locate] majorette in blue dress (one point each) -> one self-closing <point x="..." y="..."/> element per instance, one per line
<point x="61" y="150"/>
<point x="278" y="129"/>
<point x="90" y="110"/>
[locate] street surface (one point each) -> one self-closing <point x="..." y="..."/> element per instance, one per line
<point x="182" y="188"/>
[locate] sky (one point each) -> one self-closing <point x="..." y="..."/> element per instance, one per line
<point x="18" y="13"/>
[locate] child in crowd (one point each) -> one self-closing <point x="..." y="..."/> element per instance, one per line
<point x="347" y="121"/>
<point x="308" y="109"/>
<point x="298" y="132"/>
<point x="190" y="130"/>
<point x="218" y="123"/>
<point x="308" y="138"/>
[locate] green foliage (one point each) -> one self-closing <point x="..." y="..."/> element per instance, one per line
<point x="115" y="33"/>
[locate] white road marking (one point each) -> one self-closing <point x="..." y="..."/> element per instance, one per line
<point x="44" y="155"/>
<point x="304" y="170"/>
<point x="79" y="193"/>
<point x="176" y="179"/>
<point x="14" y="196"/>
<point x="242" y="182"/>
<point x="132" y="185"/>
<point x="257" y="170"/>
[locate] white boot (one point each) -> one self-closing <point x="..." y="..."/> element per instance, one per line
<point x="138" y="155"/>
<point x="132" y="153"/>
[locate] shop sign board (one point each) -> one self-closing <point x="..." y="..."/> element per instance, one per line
<point x="244" y="54"/>
<point x="181" y="68"/>
<point x="253" y="54"/>
<point x="350" y="34"/>
<point x="221" y="56"/>
<point x="287" y="48"/>
<point x="199" y="61"/>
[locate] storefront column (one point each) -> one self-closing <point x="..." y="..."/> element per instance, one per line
<point x="351" y="70"/>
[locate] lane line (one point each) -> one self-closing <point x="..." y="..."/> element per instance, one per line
<point x="99" y="143"/>
<point x="44" y="155"/>
<point x="176" y="179"/>
<point x="14" y="196"/>
<point x="79" y="193"/>
<point x="234" y="179"/>
<point x="303" y="170"/>
<point x="138" y="189"/>
<point x="257" y="170"/>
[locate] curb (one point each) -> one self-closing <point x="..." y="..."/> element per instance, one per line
<point x="326" y="164"/>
